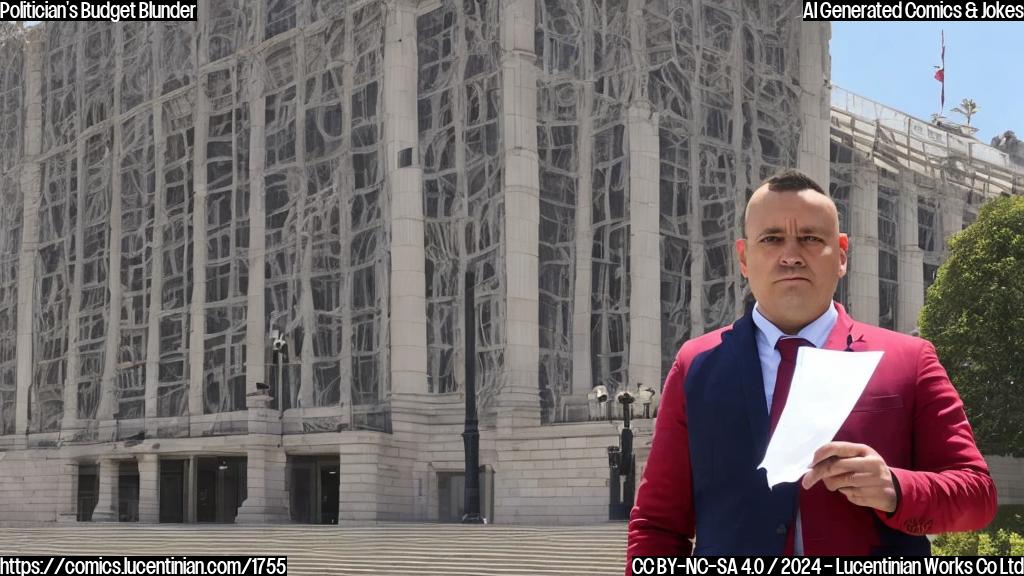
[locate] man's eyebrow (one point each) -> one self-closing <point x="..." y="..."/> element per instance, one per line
<point x="781" y="230"/>
<point x="811" y="230"/>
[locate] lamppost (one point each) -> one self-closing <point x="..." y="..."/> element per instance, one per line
<point x="599" y="394"/>
<point x="621" y="460"/>
<point x="645" y="394"/>
<point x="471" y="433"/>
<point x="280" y="346"/>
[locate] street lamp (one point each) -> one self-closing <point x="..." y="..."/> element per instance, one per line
<point x="596" y="402"/>
<point x="471" y="431"/>
<point x="280" y="347"/>
<point x="646" y="395"/>
<point x="627" y="400"/>
<point x="621" y="460"/>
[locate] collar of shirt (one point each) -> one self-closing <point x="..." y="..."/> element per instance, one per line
<point x="816" y="332"/>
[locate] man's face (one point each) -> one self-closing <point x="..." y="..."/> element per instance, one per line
<point x="793" y="255"/>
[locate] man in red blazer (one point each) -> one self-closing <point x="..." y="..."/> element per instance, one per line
<point x="904" y="464"/>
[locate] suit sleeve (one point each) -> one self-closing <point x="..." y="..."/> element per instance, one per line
<point x="662" y="521"/>
<point x="950" y="489"/>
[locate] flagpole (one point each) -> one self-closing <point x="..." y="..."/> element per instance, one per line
<point x="942" y="69"/>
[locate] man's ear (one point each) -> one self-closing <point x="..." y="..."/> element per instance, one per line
<point x="741" y="252"/>
<point x="844" y="249"/>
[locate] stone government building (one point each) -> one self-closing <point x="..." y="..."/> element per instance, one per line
<point x="172" y="194"/>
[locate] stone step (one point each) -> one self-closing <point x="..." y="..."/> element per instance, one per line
<point x="386" y="548"/>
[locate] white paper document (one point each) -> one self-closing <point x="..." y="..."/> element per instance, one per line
<point x="825" y="387"/>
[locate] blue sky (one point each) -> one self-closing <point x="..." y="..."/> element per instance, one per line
<point x="892" y="63"/>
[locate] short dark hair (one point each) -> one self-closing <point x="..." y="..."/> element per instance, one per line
<point x="793" y="181"/>
<point x="788" y="181"/>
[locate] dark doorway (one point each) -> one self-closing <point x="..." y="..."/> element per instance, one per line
<point x="451" y="495"/>
<point x="451" y="490"/>
<point x="173" y="490"/>
<point x="128" y="492"/>
<point x="88" y="491"/>
<point x="314" y="485"/>
<point x="220" y="488"/>
<point x="329" y="486"/>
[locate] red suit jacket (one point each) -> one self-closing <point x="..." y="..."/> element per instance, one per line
<point x="909" y="413"/>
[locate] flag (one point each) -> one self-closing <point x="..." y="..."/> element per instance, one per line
<point x="940" y="74"/>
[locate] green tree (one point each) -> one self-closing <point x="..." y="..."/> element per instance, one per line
<point x="967" y="108"/>
<point x="974" y="314"/>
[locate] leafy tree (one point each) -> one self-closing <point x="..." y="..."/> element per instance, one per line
<point x="974" y="314"/>
<point x="967" y="108"/>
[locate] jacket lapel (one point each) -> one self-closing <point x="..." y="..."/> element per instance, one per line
<point x="743" y="349"/>
<point x="844" y="333"/>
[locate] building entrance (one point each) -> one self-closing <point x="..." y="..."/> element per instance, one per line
<point x="88" y="491"/>
<point x="314" y="488"/>
<point x="128" y="492"/>
<point x="220" y="488"/>
<point x="173" y="490"/>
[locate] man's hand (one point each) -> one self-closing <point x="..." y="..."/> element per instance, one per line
<point x="857" y="471"/>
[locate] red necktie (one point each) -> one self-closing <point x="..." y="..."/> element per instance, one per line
<point x="783" y="378"/>
<point x="788" y="348"/>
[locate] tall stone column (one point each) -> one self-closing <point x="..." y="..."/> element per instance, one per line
<point x="256" y="338"/>
<point x="697" y="252"/>
<point x="951" y="216"/>
<point x="405" y="180"/>
<point x="693" y="216"/>
<point x="30" y="190"/>
<point x="149" y="488"/>
<point x="815" y="101"/>
<point x="107" y="505"/>
<point x="70" y="420"/>
<point x="863" y="258"/>
<point x="108" y="410"/>
<point x="192" y="492"/>
<point x="304" y="395"/>
<point x="68" y="510"/>
<point x="910" y="292"/>
<point x="358" y="492"/>
<point x="644" y="248"/>
<point x="197" y="321"/>
<point x="519" y="401"/>
<point x="157" y="277"/>
<point x="266" y="464"/>
<point x="267" y="498"/>
<point x="582" y="371"/>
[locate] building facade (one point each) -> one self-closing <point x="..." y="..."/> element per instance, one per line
<point x="903" y="186"/>
<point x="178" y="196"/>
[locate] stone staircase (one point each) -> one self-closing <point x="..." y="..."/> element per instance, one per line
<point x="386" y="549"/>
